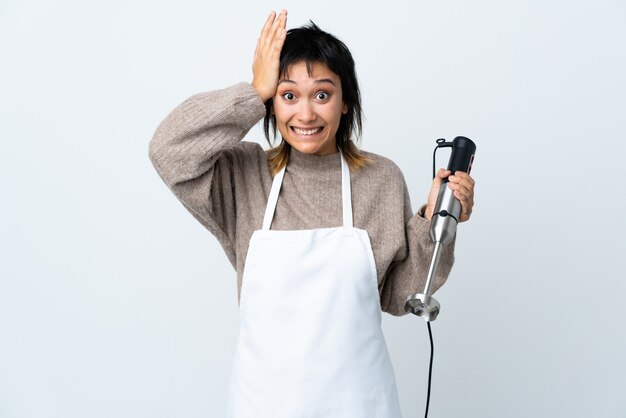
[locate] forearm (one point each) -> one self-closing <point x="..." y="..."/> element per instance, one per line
<point x="407" y="274"/>
<point x="187" y="142"/>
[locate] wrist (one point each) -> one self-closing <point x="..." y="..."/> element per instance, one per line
<point x="262" y="94"/>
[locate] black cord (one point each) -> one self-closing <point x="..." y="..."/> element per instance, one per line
<point x="430" y="367"/>
<point x="434" y="153"/>
<point x="440" y="142"/>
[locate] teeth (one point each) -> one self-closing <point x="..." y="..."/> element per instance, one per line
<point x="307" y="131"/>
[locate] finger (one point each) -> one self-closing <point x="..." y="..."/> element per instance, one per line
<point x="437" y="181"/>
<point x="464" y="180"/>
<point x="267" y="26"/>
<point x="466" y="206"/>
<point x="281" y="31"/>
<point x="284" y="19"/>
<point x="280" y="41"/>
<point x="464" y="175"/>
<point x="458" y="186"/>
<point x="277" y="25"/>
<point x="465" y="203"/>
<point x="461" y="182"/>
<point x="462" y="198"/>
<point x="282" y="26"/>
<point x="466" y="199"/>
<point x="442" y="173"/>
<point x="460" y="190"/>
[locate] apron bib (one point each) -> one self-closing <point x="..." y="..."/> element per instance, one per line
<point x="310" y="341"/>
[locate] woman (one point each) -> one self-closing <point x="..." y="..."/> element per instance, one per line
<point x="321" y="234"/>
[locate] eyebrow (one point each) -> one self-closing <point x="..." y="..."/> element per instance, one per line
<point x="320" y="81"/>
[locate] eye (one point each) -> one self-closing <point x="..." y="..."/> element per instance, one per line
<point x="322" y="95"/>
<point x="289" y="96"/>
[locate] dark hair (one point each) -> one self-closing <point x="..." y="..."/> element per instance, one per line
<point x="311" y="45"/>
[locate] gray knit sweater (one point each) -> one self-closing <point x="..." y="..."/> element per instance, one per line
<point x="224" y="183"/>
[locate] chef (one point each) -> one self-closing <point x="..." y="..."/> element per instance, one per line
<point x="320" y="232"/>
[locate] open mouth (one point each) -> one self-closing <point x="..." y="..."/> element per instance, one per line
<point x="307" y="132"/>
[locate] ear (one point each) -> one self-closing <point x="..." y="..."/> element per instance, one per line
<point x="345" y="109"/>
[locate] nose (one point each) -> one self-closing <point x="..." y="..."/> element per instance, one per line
<point x="306" y="113"/>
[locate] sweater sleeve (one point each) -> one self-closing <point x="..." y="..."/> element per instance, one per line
<point x="407" y="272"/>
<point x="196" y="150"/>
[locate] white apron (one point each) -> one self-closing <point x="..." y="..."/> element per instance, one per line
<point x="310" y="341"/>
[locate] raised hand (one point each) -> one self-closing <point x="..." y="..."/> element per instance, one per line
<point x="267" y="55"/>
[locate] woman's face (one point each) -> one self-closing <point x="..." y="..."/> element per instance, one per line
<point x="308" y="108"/>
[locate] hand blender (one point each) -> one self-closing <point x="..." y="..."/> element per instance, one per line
<point x="443" y="225"/>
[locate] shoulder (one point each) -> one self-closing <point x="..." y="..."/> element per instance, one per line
<point x="246" y="158"/>
<point x="245" y="151"/>
<point x="381" y="167"/>
<point x="379" y="180"/>
<point x="251" y="147"/>
<point x="381" y="196"/>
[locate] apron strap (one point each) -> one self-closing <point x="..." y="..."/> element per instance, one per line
<point x="346" y="195"/>
<point x="271" y="201"/>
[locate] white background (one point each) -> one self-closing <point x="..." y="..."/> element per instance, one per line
<point x="115" y="302"/>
